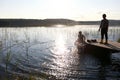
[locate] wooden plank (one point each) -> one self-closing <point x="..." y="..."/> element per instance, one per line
<point x="110" y="45"/>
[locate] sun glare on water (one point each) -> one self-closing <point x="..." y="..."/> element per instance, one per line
<point x="60" y="47"/>
<point x="62" y="54"/>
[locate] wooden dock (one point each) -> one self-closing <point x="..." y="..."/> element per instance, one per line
<point x="111" y="46"/>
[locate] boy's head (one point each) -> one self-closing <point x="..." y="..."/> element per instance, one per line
<point x="104" y="16"/>
<point x="80" y="32"/>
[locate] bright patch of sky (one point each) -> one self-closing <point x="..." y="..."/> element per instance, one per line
<point x="70" y="9"/>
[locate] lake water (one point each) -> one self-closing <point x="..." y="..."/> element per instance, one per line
<point x="50" y="53"/>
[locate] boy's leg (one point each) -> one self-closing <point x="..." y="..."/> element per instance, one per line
<point x="106" y="37"/>
<point x="102" y="36"/>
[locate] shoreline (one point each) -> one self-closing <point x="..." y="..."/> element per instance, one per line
<point x="50" y="22"/>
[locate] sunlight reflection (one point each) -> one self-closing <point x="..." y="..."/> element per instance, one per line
<point x="60" y="47"/>
<point x="59" y="25"/>
<point x="62" y="55"/>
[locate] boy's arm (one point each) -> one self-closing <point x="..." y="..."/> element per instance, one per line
<point x="107" y="25"/>
<point x="100" y="26"/>
<point x="84" y="38"/>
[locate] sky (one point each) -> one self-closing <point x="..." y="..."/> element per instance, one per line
<point x="82" y="10"/>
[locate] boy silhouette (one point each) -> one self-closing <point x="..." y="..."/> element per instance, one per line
<point x="104" y="29"/>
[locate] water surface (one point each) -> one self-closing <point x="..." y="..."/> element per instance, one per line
<point x="50" y="51"/>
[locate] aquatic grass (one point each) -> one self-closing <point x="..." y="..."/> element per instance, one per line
<point x="7" y="60"/>
<point x="0" y="49"/>
<point x="118" y="40"/>
<point x="16" y="64"/>
<point x="27" y="44"/>
<point x="8" y="40"/>
<point x="1" y="45"/>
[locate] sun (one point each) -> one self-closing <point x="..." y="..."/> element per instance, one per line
<point x="59" y="8"/>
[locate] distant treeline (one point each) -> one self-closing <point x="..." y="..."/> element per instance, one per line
<point x="49" y="22"/>
<point x="111" y="22"/>
<point x="35" y="22"/>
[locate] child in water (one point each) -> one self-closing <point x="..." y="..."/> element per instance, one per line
<point x="80" y="42"/>
<point x="81" y="38"/>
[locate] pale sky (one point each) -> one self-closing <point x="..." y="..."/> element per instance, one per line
<point x="71" y="9"/>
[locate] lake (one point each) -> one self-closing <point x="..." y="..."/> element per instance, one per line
<point x="49" y="53"/>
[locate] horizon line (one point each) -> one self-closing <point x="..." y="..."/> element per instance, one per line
<point x="55" y="18"/>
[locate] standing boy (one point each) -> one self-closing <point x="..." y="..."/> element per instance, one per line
<point x="104" y="29"/>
